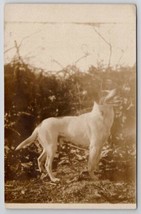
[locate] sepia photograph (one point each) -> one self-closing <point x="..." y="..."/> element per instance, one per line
<point x="70" y="106"/>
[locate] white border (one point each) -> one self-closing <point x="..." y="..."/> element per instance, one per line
<point x="35" y="208"/>
<point x="70" y="206"/>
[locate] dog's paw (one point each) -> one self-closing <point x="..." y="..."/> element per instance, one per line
<point x="94" y="177"/>
<point x="84" y="175"/>
<point x="43" y="175"/>
<point x="55" y="180"/>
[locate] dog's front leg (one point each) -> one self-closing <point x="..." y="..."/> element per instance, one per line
<point x="94" y="155"/>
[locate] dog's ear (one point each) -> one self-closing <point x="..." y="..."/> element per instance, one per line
<point x="109" y="96"/>
<point x="97" y="108"/>
<point x="95" y="105"/>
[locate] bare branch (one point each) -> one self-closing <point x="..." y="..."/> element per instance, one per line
<point x="108" y="43"/>
<point x="122" y="54"/>
<point x="18" y="51"/>
<point x="58" y="63"/>
<point x="9" y="49"/>
<point x="26" y="37"/>
<point x="82" y="57"/>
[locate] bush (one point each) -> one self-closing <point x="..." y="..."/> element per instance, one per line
<point x="32" y="95"/>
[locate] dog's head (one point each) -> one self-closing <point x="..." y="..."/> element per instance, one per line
<point x="104" y="109"/>
<point x="108" y="97"/>
<point x="106" y="103"/>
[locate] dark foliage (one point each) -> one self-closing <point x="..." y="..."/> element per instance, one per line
<point x="32" y="95"/>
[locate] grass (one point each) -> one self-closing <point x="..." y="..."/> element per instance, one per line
<point x="72" y="188"/>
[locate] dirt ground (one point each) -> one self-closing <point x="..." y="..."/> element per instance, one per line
<point x="72" y="187"/>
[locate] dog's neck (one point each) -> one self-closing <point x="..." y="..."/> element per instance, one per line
<point x="96" y="108"/>
<point x="104" y="111"/>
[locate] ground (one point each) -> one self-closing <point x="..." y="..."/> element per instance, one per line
<point x="72" y="187"/>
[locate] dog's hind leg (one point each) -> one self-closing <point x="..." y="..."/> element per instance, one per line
<point x="51" y="150"/>
<point x="41" y="161"/>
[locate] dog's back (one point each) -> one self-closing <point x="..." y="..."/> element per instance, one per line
<point x="79" y="129"/>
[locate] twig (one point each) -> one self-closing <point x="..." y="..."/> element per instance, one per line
<point x="58" y="63"/>
<point x="26" y="37"/>
<point x="9" y="49"/>
<point x="82" y="57"/>
<point x="108" y="43"/>
<point x="63" y="139"/>
<point x="76" y="147"/>
<point x="14" y="131"/>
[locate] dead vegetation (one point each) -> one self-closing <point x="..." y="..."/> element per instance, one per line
<point x="32" y="95"/>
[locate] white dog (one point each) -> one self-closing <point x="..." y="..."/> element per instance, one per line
<point x="90" y="130"/>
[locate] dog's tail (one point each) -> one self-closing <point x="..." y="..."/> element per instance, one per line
<point x="29" y="140"/>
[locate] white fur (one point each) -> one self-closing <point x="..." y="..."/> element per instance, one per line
<point x="90" y="130"/>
